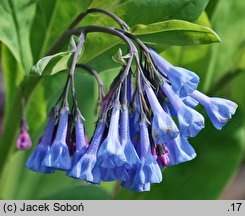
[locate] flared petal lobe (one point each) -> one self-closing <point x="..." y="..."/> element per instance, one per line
<point x="180" y="151"/>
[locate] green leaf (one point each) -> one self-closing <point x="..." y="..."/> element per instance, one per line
<point x="58" y="62"/>
<point x="174" y="32"/>
<point x="88" y="192"/>
<point x="228" y="20"/>
<point x="133" y="12"/>
<point x="219" y="154"/>
<point x="150" y="11"/>
<point x="15" y="24"/>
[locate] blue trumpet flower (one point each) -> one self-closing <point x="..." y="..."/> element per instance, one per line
<point x="163" y="126"/>
<point x="87" y="168"/>
<point x="58" y="157"/>
<point x="184" y="82"/>
<point x="111" y="154"/>
<point x="190" y="121"/>
<point x="219" y="110"/>
<point x="36" y="158"/>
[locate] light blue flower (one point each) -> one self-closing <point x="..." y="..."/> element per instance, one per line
<point x="80" y="139"/>
<point x="219" y="110"/>
<point x="184" y="82"/>
<point x="149" y="170"/>
<point x="87" y="168"/>
<point x="35" y="160"/>
<point x="110" y="154"/>
<point x="58" y="157"/>
<point x="163" y="126"/>
<point x="180" y="151"/>
<point x="190" y="121"/>
<point x="125" y="140"/>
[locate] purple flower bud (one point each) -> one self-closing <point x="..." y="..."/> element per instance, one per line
<point x="180" y="151"/>
<point x="58" y="157"/>
<point x="219" y="110"/>
<point x="163" y="126"/>
<point x="163" y="158"/>
<point x="35" y="160"/>
<point x="128" y="147"/>
<point x="23" y="140"/>
<point x="87" y="168"/>
<point x="190" y="121"/>
<point x="148" y="171"/>
<point x="110" y="154"/>
<point x="184" y="82"/>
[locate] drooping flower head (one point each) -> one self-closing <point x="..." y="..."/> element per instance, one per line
<point x="136" y="135"/>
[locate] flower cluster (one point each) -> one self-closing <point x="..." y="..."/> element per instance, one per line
<point x="144" y="124"/>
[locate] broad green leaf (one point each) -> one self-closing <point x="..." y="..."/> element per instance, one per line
<point x="88" y="192"/>
<point x="175" y="32"/>
<point x="58" y="62"/>
<point x="51" y="20"/>
<point x="150" y="11"/>
<point x="134" y="12"/>
<point x="219" y="154"/>
<point x="228" y="21"/>
<point x="15" y="23"/>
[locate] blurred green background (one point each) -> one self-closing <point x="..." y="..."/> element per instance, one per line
<point x="28" y="28"/>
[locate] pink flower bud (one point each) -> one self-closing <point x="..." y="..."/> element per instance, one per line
<point x="24" y="140"/>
